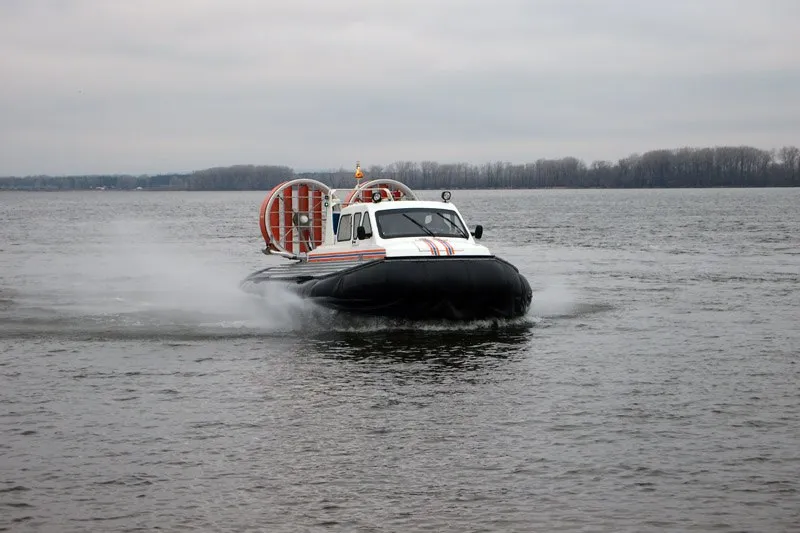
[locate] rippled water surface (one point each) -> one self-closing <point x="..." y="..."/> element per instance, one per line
<point x="654" y="386"/>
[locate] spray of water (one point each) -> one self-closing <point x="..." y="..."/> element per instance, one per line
<point x="559" y="300"/>
<point x="138" y="278"/>
<point x="556" y="299"/>
<point x="134" y="277"/>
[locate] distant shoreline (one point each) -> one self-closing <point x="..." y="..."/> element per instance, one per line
<point x="731" y="187"/>
<point x="684" y="168"/>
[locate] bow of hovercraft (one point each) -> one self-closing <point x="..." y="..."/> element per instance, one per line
<point x="379" y="250"/>
<point x="455" y="288"/>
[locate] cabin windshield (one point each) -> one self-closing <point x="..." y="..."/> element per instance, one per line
<point x="419" y="222"/>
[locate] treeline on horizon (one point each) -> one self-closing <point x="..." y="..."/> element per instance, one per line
<point x="727" y="166"/>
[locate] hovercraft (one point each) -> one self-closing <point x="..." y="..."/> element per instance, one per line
<point x="379" y="250"/>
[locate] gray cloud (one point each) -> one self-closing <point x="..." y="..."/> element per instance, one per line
<point x="151" y="86"/>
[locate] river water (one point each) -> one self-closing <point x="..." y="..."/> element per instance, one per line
<point x="652" y="387"/>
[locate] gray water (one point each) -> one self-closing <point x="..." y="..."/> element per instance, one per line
<point x="652" y="387"/>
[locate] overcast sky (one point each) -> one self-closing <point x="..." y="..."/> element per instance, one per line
<point x="148" y="86"/>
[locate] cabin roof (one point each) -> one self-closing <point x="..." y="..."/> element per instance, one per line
<point x="402" y="204"/>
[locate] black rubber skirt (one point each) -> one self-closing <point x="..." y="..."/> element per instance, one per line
<point x="451" y="288"/>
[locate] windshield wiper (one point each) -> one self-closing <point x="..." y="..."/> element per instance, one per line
<point x="453" y="225"/>
<point x="423" y="228"/>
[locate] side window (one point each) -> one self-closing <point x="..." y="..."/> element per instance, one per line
<point x="356" y="223"/>
<point x="367" y="224"/>
<point x="345" y="228"/>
